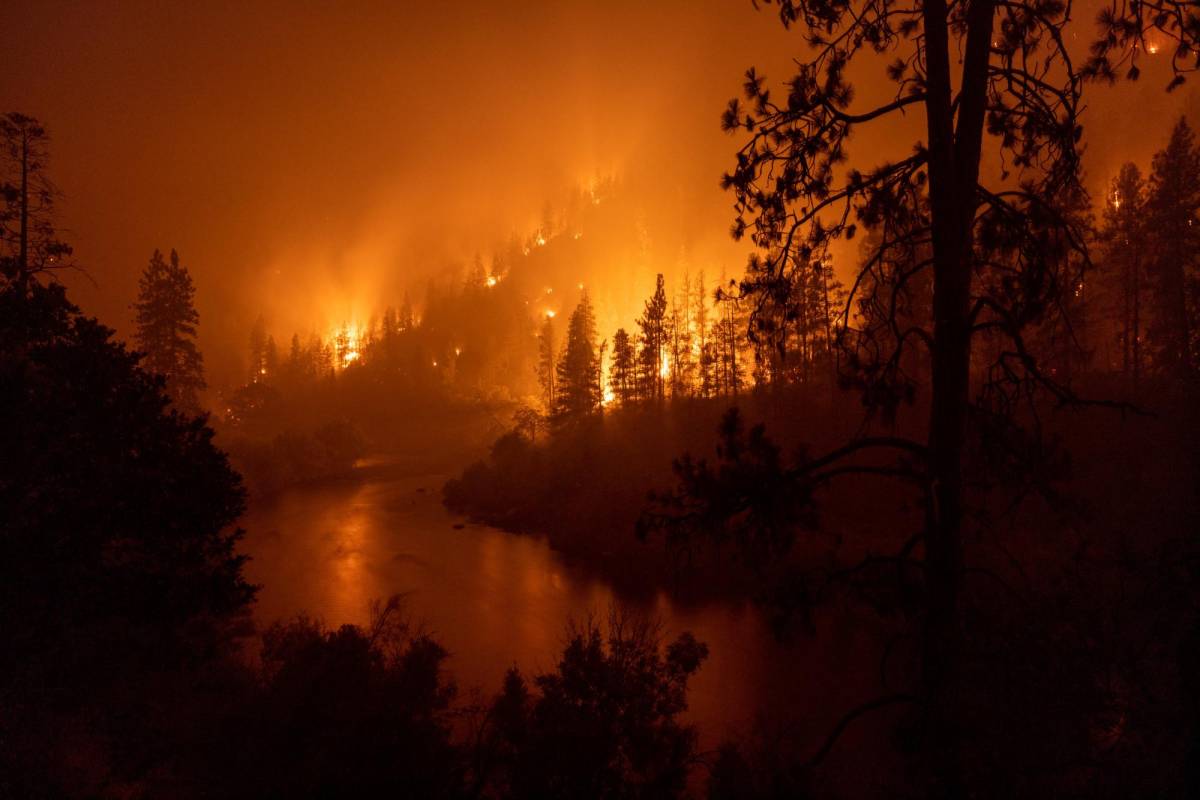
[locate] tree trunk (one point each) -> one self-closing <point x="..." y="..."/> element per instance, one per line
<point x="954" y="173"/>
<point x="23" y="253"/>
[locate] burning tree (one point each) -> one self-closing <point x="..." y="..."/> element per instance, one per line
<point x="1000" y="248"/>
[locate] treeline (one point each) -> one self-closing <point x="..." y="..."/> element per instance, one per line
<point x="1147" y="282"/>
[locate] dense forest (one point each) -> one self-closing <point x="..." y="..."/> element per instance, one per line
<point x="944" y="428"/>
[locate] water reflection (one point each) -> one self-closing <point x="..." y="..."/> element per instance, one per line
<point x="492" y="598"/>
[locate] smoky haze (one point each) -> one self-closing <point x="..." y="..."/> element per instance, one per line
<point x="310" y="162"/>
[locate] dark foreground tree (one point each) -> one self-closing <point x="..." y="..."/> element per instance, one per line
<point x="28" y="243"/>
<point x="604" y="724"/>
<point x="1002" y="244"/>
<point x="166" y="330"/>
<point x="117" y="559"/>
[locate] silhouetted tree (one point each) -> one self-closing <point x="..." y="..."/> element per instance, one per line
<point x="653" y="323"/>
<point x="623" y="376"/>
<point x="166" y="320"/>
<point x="578" y="390"/>
<point x="355" y="711"/>
<point x="604" y="724"/>
<point x="1124" y="237"/>
<point x="1173" y="213"/>
<point x="28" y="243"/>
<point x="983" y="73"/>
<point x="117" y="552"/>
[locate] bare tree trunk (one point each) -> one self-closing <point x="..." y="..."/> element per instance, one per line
<point x="954" y="173"/>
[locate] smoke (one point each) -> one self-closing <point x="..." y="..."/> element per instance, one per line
<point x="311" y="162"/>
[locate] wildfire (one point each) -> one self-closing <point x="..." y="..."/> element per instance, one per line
<point x="347" y="342"/>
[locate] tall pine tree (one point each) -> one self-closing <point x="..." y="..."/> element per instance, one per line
<point x="166" y="330"/>
<point x="1173" y="211"/>
<point x="1123" y="236"/>
<point x="578" y="369"/>
<point x="653" y="323"/>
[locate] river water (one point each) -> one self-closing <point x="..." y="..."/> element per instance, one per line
<point x="495" y="599"/>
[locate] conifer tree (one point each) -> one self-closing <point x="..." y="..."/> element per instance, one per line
<point x="578" y="385"/>
<point x="1173" y="213"/>
<point x="624" y="368"/>
<point x="1123" y="237"/>
<point x="166" y="329"/>
<point x="28" y="242"/>
<point x="654" y="341"/>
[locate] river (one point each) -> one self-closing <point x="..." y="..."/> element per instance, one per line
<point x="495" y="599"/>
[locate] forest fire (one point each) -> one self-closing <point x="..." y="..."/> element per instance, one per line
<point x="639" y="400"/>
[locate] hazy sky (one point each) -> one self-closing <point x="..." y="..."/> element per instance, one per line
<point x="298" y="151"/>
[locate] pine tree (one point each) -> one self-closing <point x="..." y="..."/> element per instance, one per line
<point x="166" y="329"/>
<point x="623" y="377"/>
<point x="578" y="391"/>
<point x="1173" y="213"/>
<point x="1123" y="236"/>
<point x="654" y="341"/>
<point x="731" y="378"/>
<point x="28" y="242"/>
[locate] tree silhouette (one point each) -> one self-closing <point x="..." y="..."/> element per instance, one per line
<point x="28" y="243"/>
<point x="166" y="329"/>
<point x="1124" y="236"/>
<point x="578" y="390"/>
<point x="1002" y="243"/>
<point x="604" y="723"/>
<point x="623" y="377"/>
<point x="653" y="323"/>
<point x="1173" y="213"/>
<point x="117" y="552"/>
